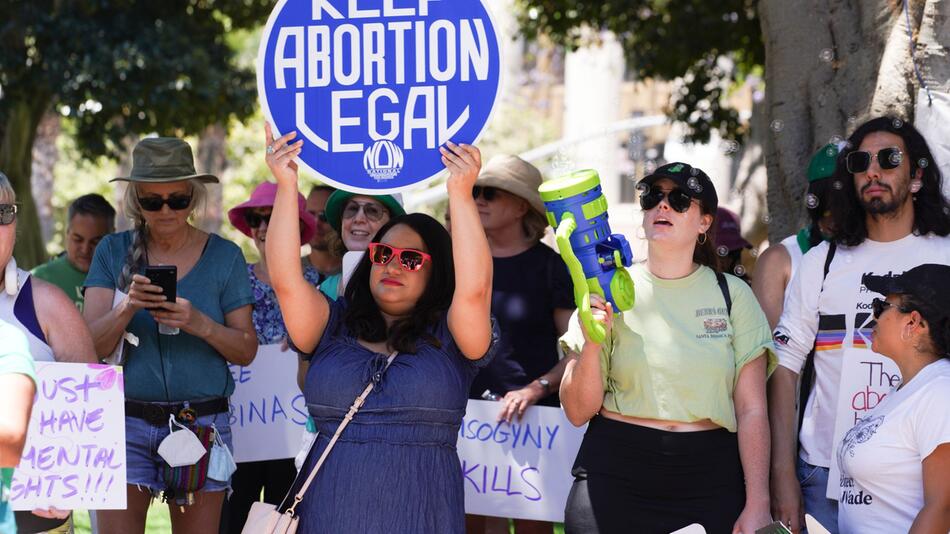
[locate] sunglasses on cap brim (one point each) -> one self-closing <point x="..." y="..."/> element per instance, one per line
<point x="677" y="198"/>
<point x="887" y="158"/>
<point x="409" y="259"/>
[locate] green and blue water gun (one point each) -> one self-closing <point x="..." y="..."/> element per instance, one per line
<point x="596" y="259"/>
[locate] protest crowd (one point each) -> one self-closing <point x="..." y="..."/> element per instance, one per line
<point x="713" y="401"/>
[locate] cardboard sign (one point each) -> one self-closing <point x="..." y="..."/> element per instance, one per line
<point x="375" y="87"/>
<point x="866" y="378"/>
<point x="74" y="456"/>
<point x="268" y="411"/>
<point x="520" y="470"/>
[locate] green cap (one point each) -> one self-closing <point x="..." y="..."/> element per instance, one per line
<point x="823" y="163"/>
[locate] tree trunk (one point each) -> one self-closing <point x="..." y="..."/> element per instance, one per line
<point x="827" y="72"/>
<point x="212" y="158"/>
<point x="16" y="158"/>
<point x="45" y="156"/>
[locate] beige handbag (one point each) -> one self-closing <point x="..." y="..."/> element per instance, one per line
<point x="264" y="518"/>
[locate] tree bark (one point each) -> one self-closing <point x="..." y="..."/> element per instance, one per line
<point x="45" y="156"/>
<point x="830" y="65"/>
<point x="16" y="158"/>
<point x="212" y="158"/>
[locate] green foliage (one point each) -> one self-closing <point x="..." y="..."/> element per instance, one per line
<point x="120" y="67"/>
<point x="710" y="44"/>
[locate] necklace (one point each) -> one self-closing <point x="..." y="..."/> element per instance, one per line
<point x="183" y="246"/>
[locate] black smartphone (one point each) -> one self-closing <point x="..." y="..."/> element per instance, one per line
<point x="166" y="277"/>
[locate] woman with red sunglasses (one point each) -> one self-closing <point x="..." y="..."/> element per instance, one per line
<point x="415" y="321"/>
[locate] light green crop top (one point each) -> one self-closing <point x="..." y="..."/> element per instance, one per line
<point x="677" y="355"/>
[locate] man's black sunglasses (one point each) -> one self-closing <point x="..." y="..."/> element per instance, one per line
<point x="887" y="158"/>
<point x="488" y="193"/>
<point x="678" y="199"/>
<point x="175" y="202"/>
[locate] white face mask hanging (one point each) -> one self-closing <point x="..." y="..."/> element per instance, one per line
<point x="221" y="463"/>
<point x="182" y="447"/>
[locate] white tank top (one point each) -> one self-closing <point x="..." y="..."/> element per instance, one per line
<point x="794" y="252"/>
<point x="20" y="311"/>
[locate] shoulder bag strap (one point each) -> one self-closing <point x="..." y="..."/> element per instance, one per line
<point x="724" y="287"/>
<point x="357" y="404"/>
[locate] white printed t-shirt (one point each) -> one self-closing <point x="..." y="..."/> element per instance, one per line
<point x="881" y="487"/>
<point x="835" y="316"/>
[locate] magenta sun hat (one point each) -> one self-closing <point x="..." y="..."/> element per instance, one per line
<point x="263" y="197"/>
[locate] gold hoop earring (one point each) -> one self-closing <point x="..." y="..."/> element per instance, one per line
<point x="703" y="240"/>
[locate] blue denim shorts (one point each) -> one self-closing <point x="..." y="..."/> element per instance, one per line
<point x="144" y="466"/>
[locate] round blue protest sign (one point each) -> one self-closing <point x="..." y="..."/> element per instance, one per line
<point x="375" y="87"/>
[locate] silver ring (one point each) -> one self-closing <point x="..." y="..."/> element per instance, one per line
<point x="270" y="149"/>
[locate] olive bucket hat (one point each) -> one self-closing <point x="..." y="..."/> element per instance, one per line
<point x="163" y="159"/>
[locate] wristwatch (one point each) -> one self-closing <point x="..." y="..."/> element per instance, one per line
<point x="545" y="384"/>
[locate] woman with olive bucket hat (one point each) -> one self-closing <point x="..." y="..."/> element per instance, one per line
<point x="176" y="364"/>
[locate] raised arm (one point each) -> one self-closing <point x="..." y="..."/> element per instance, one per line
<point x="470" y="312"/>
<point x="305" y="310"/>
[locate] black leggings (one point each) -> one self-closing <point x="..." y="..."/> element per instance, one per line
<point x="635" y="479"/>
<point x="274" y="477"/>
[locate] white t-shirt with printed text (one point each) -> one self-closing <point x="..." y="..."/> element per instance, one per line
<point x="836" y="316"/>
<point x="881" y="485"/>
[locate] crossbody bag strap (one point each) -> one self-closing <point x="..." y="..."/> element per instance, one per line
<point x="357" y="404"/>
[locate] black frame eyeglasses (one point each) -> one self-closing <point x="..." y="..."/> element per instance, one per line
<point x="7" y="214"/>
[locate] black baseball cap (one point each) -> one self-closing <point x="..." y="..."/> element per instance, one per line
<point x="929" y="284"/>
<point x="690" y="179"/>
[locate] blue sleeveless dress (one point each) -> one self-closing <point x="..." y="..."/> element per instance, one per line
<point x="395" y="468"/>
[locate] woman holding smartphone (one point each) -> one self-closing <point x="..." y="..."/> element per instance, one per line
<point x="182" y="376"/>
<point x="675" y="395"/>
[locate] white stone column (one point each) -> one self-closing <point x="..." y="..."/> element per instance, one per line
<point x="593" y="76"/>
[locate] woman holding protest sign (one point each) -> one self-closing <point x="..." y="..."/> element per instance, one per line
<point x="419" y="297"/>
<point x="895" y="462"/>
<point x="272" y="477"/>
<point x="53" y="327"/>
<point x="176" y="349"/>
<point x="675" y="395"/>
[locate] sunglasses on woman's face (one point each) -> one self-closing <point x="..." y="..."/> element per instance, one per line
<point x="7" y="214"/>
<point x="373" y="212"/>
<point x="409" y="259"/>
<point x="254" y="220"/>
<point x="879" y="305"/>
<point x="488" y="193"/>
<point x="678" y="199"/>
<point x="175" y="202"/>
<point x="887" y="158"/>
